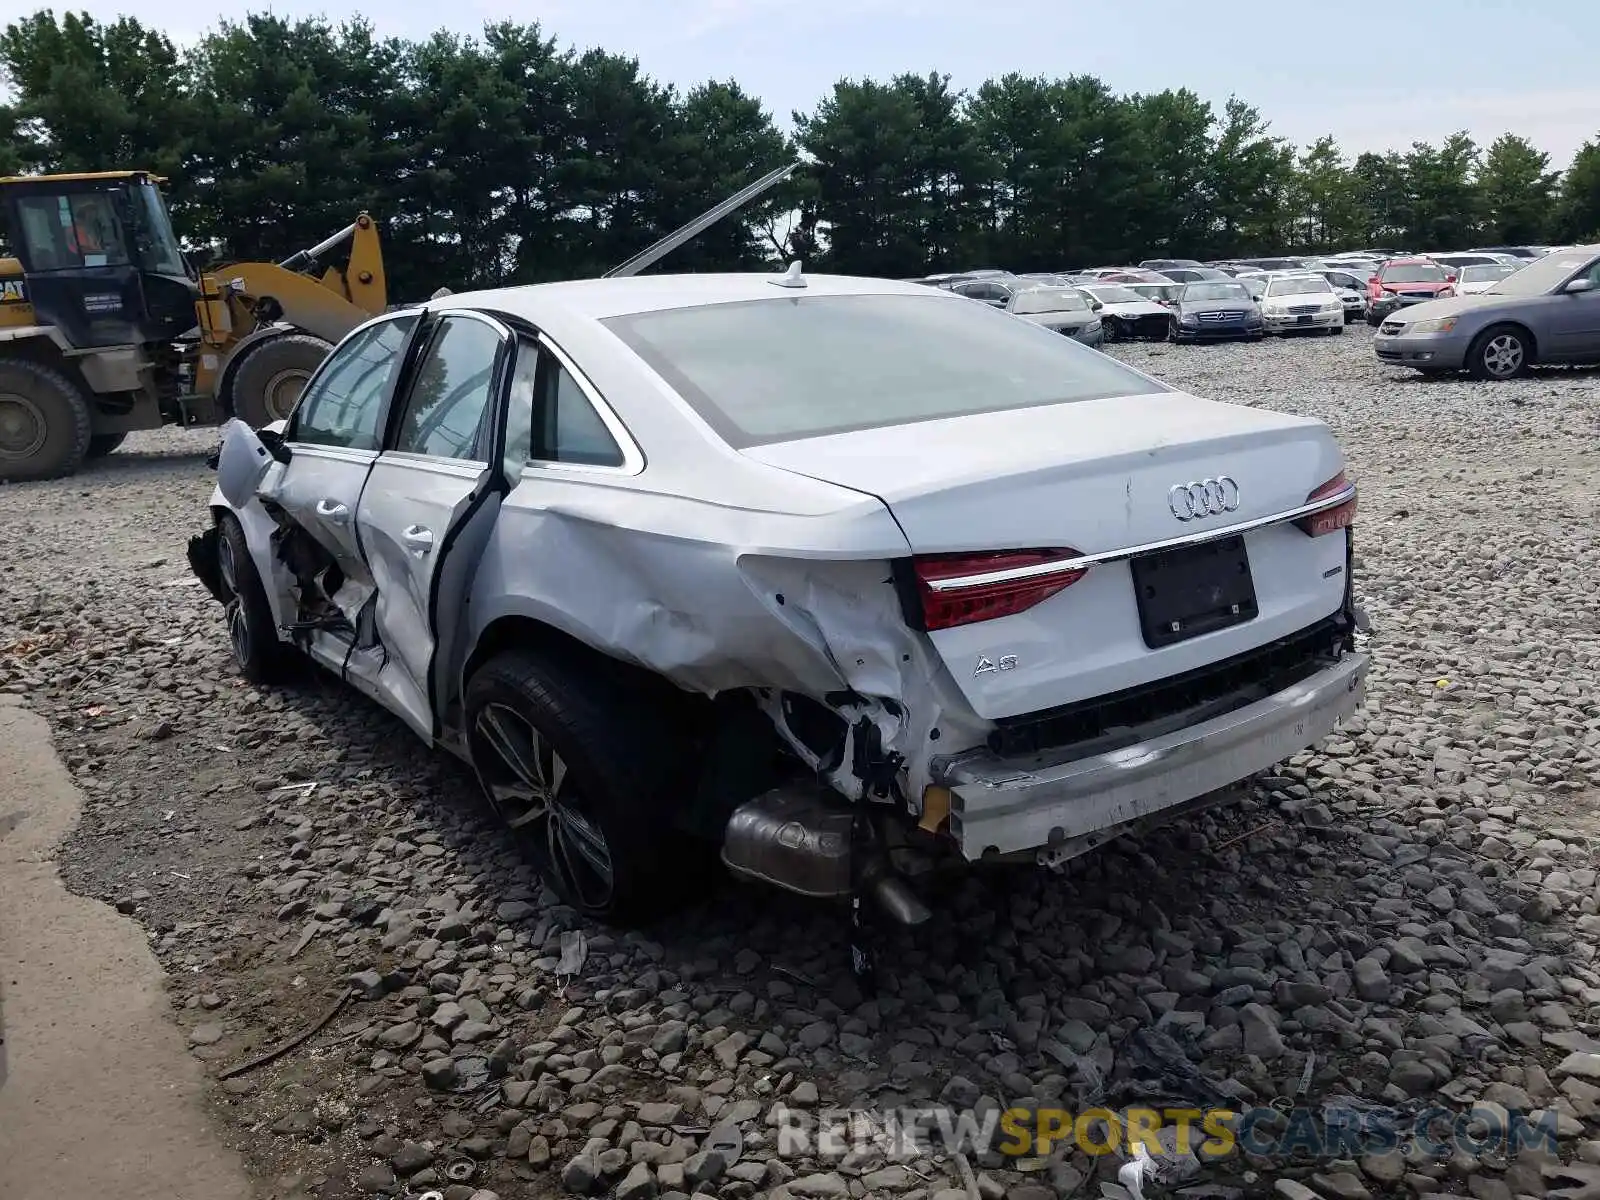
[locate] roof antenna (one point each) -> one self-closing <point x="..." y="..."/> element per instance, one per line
<point x="791" y="278"/>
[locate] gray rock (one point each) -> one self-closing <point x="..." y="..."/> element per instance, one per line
<point x="440" y="1074"/>
<point x="582" y="1172"/>
<point x="637" y="1184"/>
<point x="1413" y="1078"/>
<point x="368" y="984"/>
<point x="829" y="1185"/>
<point x="376" y="1178"/>
<point x="659" y="1113"/>
<point x="1372" y="981"/>
<point x="705" y="1167"/>
<point x="670" y="1038"/>
<point x="411" y="1158"/>
<point x="1260" y="1030"/>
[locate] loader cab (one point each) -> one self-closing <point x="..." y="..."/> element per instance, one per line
<point x="99" y="256"/>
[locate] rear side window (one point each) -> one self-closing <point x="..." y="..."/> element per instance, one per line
<point x="776" y="370"/>
<point x="344" y="404"/>
<point x="552" y="419"/>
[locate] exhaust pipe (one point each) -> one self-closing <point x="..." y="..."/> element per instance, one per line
<point x="799" y="839"/>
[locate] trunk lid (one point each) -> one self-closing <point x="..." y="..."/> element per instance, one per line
<point x="1095" y="476"/>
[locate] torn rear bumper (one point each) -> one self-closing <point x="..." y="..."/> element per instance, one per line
<point x="1001" y="806"/>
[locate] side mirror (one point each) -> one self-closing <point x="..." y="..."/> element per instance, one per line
<point x="1449" y="278"/>
<point x="1574" y="286"/>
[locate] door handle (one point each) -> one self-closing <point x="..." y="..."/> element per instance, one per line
<point x="418" y="540"/>
<point x="332" y="510"/>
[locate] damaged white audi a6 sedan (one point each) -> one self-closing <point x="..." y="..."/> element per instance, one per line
<point x="831" y="573"/>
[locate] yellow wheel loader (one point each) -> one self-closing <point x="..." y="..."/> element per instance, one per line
<point x="105" y="327"/>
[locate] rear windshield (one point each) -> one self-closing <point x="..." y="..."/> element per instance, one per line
<point x="775" y="370"/>
<point x="1484" y="273"/>
<point x="1048" y="299"/>
<point x="1414" y="273"/>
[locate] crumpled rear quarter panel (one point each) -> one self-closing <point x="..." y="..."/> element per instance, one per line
<point x="659" y="580"/>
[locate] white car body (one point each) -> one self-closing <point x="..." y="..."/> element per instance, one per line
<point x="1313" y="307"/>
<point x="1480" y="277"/>
<point x="1128" y="318"/>
<point x="802" y="571"/>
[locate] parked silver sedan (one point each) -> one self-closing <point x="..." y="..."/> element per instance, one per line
<point x="1547" y="312"/>
<point x="840" y="576"/>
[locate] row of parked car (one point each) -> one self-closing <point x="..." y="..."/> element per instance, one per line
<point x="1178" y="304"/>
<point x="1185" y="300"/>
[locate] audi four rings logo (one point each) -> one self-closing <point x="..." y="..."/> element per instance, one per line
<point x="1203" y="498"/>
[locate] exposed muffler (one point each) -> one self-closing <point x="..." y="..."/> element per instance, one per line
<point x="799" y="838"/>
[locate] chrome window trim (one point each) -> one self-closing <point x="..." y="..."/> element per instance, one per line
<point x="633" y="459"/>
<point x="345" y="454"/>
<point x="438" y="464"/>
<point x="1084" y="561"/>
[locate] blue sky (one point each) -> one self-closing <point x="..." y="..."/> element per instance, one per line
<point x="1377" y="75"/>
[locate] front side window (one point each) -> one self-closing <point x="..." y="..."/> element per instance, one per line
<point x="343" y="405"/>
<point x="447" y="406"/>
<point x="775" y="370"/>
<point x="151" y="229"/>
<point x="60" y="233"/>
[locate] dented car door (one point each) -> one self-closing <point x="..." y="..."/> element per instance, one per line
<point x="334" y="436"/>
<point x="429" y="502"/>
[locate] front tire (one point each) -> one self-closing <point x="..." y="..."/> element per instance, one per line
<point x="1500" y="352"/>
<point x="1336" y="331"/>
<point x="573" y="762"/>
<point x="44" y="422"/>
<point x="267" y="384"/>
<point x="252" y="633"/>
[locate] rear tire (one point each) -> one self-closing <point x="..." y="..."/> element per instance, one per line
<point x="1500" y="352"/>
<point x="44" y="422"/>
<point x="267" y="384"/>
<point x="102" y="444"/>
<point x="252" y="633"/>
<point x="583" y="770"/>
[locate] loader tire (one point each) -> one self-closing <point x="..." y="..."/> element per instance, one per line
<point x="44" y="422"/>
<point x="268" y="383"/>
<point x="102" y="444"/>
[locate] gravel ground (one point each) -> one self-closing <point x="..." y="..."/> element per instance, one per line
<point x="1404" y="918"/>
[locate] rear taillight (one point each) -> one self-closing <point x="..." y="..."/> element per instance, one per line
<point x="1330" y="520"/>
<point x="958" y="589"/>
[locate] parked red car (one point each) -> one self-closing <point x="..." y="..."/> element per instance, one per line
<point x="1405" y="281"/>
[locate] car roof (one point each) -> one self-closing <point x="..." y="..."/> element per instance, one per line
<point x="599" y="299"/>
